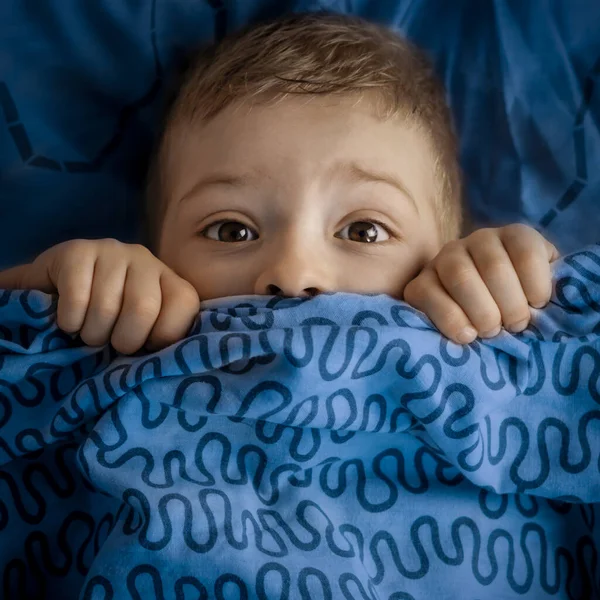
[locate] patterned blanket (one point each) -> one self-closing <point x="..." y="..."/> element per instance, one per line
<point x="331" y="448"/>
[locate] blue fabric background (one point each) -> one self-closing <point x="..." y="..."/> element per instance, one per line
<point x="81" y="87"/>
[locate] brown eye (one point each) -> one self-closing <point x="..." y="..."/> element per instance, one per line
<point x="229" y="231"/>
<point x="366" y="232"/>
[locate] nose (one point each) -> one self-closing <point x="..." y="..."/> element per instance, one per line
<point x="293" y="275"/>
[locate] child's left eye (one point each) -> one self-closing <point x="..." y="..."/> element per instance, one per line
<point x="230" y="231"/>
<point x="366" y="232"/>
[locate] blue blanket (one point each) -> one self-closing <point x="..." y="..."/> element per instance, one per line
<point x="337" y="447"/>
<point x="83" y="84"/>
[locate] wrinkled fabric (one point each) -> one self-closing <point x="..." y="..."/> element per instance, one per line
<point x="83" y="85"/>
<point x="337" y="447"/>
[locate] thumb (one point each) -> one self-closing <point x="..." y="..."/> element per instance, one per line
<point x="32" y="276"/>
<point x="553" y="253"/>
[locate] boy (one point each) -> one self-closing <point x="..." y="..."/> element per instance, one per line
<point x="311" y="154"/>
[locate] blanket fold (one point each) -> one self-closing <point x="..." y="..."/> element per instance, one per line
<point x="337" y="447"/>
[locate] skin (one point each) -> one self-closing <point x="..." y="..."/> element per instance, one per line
<point x="295" y="198"/>
<point x="297" y="174"/>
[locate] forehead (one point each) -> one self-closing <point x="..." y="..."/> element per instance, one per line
<point x="299" y="138"/>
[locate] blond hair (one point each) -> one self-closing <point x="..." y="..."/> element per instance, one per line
<point x="325" y="54"/>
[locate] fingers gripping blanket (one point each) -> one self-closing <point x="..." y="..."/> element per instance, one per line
<point x="332" y="448"/>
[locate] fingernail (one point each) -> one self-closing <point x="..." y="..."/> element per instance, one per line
<point x="467" y="335"/>
<point x="539" y="305"/>
<point x="518" y="327"/>
<point x="490" y="334"/>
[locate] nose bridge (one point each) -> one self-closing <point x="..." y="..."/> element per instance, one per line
<point x="294" y="267"/>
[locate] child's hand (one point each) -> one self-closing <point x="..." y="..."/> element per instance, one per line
<point x="111" y="291"/>
<point x="489" y="279"/>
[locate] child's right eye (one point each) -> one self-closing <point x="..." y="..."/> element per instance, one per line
<point x="230" y="231"/>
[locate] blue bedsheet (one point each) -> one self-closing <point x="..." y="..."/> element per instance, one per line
<point x="331" y="448"/>
<point x="82" y="84"/>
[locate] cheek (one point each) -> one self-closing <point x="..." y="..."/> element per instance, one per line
<point x="210" y="280"/>
<point x="218" y="281"/>
<point x="184" y="257"/>
<point x="214" y="276"/>
<point x="388" y="273"/>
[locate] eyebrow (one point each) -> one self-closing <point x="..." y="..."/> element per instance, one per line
<point x="357" y="173"/>
<point x="223" y="179"/>
<point x="350" y="170"/>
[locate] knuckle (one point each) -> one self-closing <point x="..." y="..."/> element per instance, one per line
<point x="111" y="244"/>
<point x="123" y="251"/>
<point x="123" y="346"/>
<point x="157" y="341"/>
<point x="518" y="237"/>
<point x="65" y="323"/>
<point x="526" y="263"/>
<point x="457" y="276"/>
<point x="94" y="339"/>
<point x="494" y="267"/>
<point x="189" y="295"/>
<point x="450" y="248"/>
<point x="415" y="290"/>
<point x="76" y="299"/>
<point x="516" y="315"/>
<point x="140" y="250"/>
<point x="78" y="248"/>
<point x="411" y="289"/>
<point x="539" y="297"/>
<point x="517" y="230"/>
<point x="146" y="307"/>
<point x="75" y="244"/>
<point x="516" y="318"/>
<point x="106" y="308"/>
<point x="481" y="235"/>
<point x="488" y="319"/>
<point x="452" y="321"/>
<point x="117" y="252"/>
<point x="451" y="258"/>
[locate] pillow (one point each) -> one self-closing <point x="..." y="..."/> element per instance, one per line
<point x="82" y="85"/>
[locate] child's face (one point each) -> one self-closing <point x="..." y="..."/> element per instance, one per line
<point x="298" y="198"/>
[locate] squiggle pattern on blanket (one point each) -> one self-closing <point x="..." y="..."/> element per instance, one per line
<point x="331" y="448"/>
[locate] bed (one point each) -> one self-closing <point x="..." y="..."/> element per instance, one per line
<point x="82" y="86"/>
